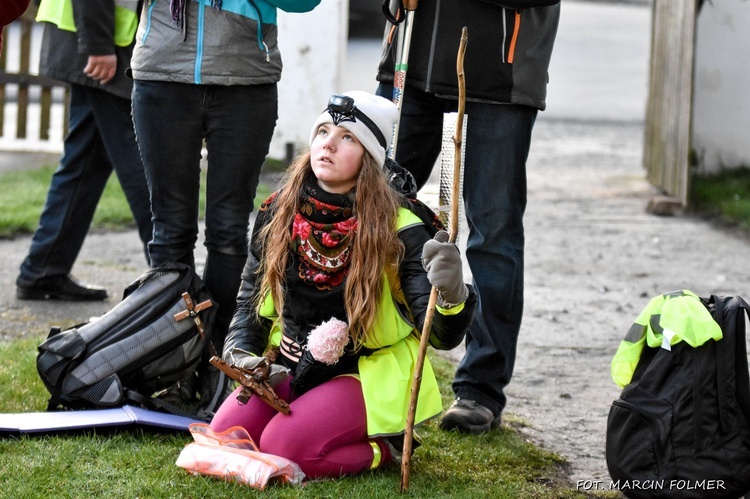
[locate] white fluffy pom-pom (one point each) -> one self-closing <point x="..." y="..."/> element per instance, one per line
<point x="327" y="341"/>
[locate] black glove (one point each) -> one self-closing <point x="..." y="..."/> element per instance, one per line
<point x="311" y="373"/>
<point x="442" y="261"/>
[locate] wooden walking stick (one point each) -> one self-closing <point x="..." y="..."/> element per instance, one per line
<point x="424" y="341"/>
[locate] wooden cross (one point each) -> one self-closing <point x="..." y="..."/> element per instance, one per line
<point x="193" y="311"/>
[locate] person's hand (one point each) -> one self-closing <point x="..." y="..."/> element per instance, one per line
<point x="101" y="67"/>
<point x="442" y="261"/>
<point x="245" y="360"/>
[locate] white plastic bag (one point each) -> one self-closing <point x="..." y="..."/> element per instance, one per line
<point x="232" y="455"/>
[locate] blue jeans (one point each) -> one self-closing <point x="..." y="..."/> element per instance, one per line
<point x="498" y="138"/>
<point x="237" y="122"/>
<point x="100" y="138"/>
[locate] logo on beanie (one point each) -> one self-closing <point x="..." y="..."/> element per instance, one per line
<point x="339" y="117"/>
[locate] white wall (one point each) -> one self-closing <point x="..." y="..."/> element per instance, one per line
<point x="584" y="82"/>
<point x="313" y="48"/>
<point x="721" y="89"/>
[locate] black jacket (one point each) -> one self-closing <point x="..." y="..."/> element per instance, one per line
<point x="507" y="54"/>
<point x="64" y="54"/>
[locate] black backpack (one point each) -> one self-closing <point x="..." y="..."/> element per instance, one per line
<point x="680" y="428"/>
<point x="156" y="336"/>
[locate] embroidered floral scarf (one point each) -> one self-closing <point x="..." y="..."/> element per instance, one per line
<point x="322" y="234"/>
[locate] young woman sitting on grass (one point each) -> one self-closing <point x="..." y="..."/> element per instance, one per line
<point x="338" y="277"/>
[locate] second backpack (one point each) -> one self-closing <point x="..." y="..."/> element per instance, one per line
<point x="156" y="336"/>
<point x="680" y="428"/>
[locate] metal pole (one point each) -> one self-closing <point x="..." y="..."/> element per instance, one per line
<point x="403" y="45"/>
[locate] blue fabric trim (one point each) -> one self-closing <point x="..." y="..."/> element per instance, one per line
<point x="199" y="42"/>
<point x="148" y="22"/>
<point x="245" y="8"/>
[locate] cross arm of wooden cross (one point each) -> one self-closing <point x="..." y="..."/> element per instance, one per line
<point x="193" y="310"/>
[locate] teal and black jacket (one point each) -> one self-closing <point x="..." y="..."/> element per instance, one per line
<point x="231" y="44"/>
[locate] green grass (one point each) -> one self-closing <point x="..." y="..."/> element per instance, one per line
<point x="724" y="197"/>
<point x="136" y="462"/>
<point x="23" y="193"/>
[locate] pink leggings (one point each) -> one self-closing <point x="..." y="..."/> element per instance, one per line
<point x="325" y="432"/>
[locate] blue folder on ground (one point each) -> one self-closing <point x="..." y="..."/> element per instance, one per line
<point x="50" y="422"/>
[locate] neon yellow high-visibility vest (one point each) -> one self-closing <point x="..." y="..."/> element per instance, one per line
<point x="667" y="320"/>
<point x="60" y="13"/>
<point x="387" y="373"/>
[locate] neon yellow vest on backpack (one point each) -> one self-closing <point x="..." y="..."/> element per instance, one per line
<point x="666" y="320"/>
<point x="386" y="374"/>
<point x="60" y="13"/>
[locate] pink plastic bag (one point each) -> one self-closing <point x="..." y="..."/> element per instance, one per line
<point x="232" y="455"/>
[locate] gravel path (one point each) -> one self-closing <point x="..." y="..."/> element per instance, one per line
<point x="594" y="258"/>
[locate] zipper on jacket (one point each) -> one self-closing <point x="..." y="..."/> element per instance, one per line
<point x="261" y="41"/>
<point x="514" y="39"/>
<point x="431" y="58"/>
<point x="151" y="5"/>
<point x="199" y="42"/>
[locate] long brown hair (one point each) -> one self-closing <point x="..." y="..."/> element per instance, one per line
<point x="375" y="245"/>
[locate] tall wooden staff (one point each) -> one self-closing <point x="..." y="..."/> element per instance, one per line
<point x="424" y="341"/>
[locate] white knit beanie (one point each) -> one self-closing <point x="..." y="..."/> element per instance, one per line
<point x="371" y="120"/>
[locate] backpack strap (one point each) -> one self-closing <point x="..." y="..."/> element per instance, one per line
<point x="55" y="398"/>
<point x="731" y="356"/>
<point x="743" y="376"/>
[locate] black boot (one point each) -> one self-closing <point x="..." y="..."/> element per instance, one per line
<point x="222" y="276"/>
<point x="64" y="287"/>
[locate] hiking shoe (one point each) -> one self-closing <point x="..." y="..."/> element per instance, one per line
<point x="181" y="394"/>
<point x="468" y="416"/>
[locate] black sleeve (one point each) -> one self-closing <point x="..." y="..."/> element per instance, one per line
<point x="247" y="330"/>
<point x="95" y="26"/>
<point x="447" y="331"/>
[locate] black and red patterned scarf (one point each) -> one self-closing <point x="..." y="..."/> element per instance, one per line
<point x="322" y="234"/>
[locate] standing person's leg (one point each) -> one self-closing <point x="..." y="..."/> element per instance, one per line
<point x="169" y="120"/>
<point x="73" y="195"/>
<point x="498" y="138"/>
<point x="240" y="120"/>
<point x="115" y="125"/>
<point x="169" y="127"/>
<point x="420" y="133"/>
<point x="240" y="124"/>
